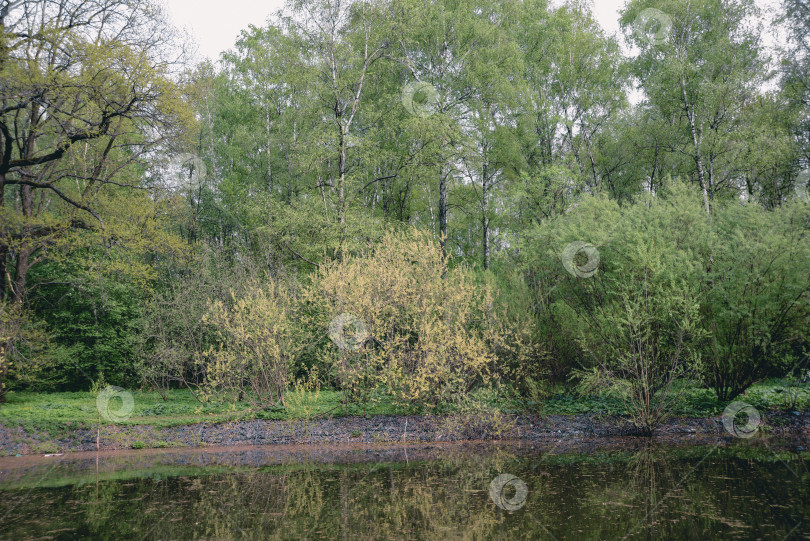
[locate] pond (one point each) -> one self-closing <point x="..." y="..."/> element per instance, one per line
<point x="636" y="490"/>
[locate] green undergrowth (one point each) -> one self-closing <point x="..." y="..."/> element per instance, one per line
<point x="58" y="413"/>
<point x="692" y="401"/>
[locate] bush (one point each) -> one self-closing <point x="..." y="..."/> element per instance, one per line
<point x="730" y="294"/>
<point x="513" y="338"/>
<point x="756" y="306"/>
<point x="21" y="343"/>
<point x="421" y="329"/>
<point x="629" y="298"/>
<point x="256" y="347"/>
<point x="173" y="335"/>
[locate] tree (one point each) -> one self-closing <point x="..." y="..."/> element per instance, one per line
<point x="87" y="94"/>
<point x="449" y="51"/>
<point x="255" y="132"/>
<point x="347" y="39"/>
<point x="703" y="69"/>
<point x="796" y="74"/>
<point x="574" y="86"/>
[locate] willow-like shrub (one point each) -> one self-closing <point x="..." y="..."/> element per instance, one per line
<point x="425" y="331"/>
<point x="674" y="294"/>
<point x="256" y="344"/>
<point x="634" y="311"/>
<point x="757" y="295"/>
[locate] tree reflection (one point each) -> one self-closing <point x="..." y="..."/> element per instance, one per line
<point x="649" y="493"/>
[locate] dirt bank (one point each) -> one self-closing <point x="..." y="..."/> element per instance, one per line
<point x="380" y="429"/>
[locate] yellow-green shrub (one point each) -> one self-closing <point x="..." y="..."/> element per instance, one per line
<point x="427" y="329"/>
<point x="256" y="345"/>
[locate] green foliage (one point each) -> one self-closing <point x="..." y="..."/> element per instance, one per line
<point x="674" y="294"/>
<point x="172" y="333"/>
<point x="94" y="328"/>
<point x="785" y="394"/>
<point x="22" y="341"/>
<point x="87" y="91"/>
<point x="726" y="295"/>
<point x="701" y="75"/>
<point x="305" y="168"/>
<point x="637" y="307"/>
<point x="756" y="307"/>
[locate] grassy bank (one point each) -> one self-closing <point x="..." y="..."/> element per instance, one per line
<point x="55" y="413"/>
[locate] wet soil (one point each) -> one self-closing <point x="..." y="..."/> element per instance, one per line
<point x="552" y="429"/>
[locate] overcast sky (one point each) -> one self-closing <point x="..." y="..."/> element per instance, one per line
<point x="215" y="29"/>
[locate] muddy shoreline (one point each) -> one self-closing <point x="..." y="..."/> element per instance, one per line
<point x="385" y="430"/>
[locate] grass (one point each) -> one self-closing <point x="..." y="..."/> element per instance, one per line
<point x="54" y="412"/>
<point x="58" y="413"/>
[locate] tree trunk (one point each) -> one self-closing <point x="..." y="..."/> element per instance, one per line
<point x="21" y="268"/>
<point x="342" y="192"/>
<point x="690" y="114"/>
<point x="4" y="281"/>
<point x="24" y="252"/>
<point x="485" y="224"/>
<point x="269" y="165"/>
<point x="485" y="213"/>
<point x="269" y="194"/>
<point x="575" y="148"/>
<point x="3" y="362"/>
<point x="342" y="183"/>
<point x="443" y="208"/>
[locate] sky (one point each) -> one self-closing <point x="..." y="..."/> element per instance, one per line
<point x="215" y="29"/>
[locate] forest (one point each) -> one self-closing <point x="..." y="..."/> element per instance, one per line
<point x="414" y="202"/>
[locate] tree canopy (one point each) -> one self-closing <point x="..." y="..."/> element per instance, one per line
<point x="153" y="208"/>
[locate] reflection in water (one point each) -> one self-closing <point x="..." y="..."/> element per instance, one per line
<point x="741" y="492"/>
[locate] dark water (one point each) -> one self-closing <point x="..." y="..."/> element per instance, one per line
<point x="709" y="492"/>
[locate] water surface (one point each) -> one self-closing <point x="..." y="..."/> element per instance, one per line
<point x="746" y="490"/>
